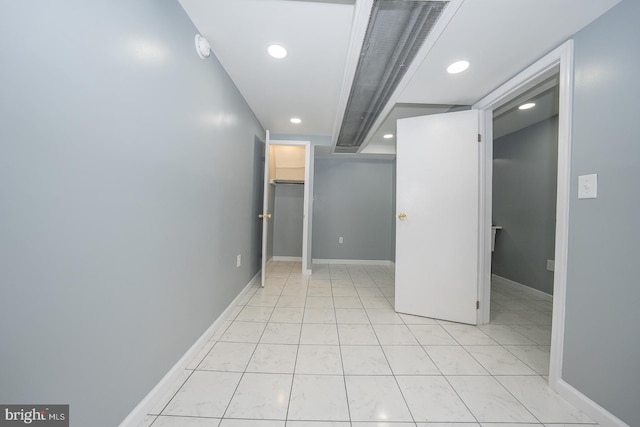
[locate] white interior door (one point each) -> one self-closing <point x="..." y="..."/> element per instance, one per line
<point x="266" y="213"/>
<point x="437" y="209"/>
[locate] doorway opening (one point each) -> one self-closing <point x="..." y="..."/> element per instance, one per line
<point x="558" y="62"/>
<point x="286" y="203"/>
<point x="524" y="187"/>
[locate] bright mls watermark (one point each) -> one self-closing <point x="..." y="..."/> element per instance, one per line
<point x="36" y="415"/>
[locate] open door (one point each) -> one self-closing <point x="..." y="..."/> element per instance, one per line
<point x="437" y="206"/>
<point x="266" y="214"/>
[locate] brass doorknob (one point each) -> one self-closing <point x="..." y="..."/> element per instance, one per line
<point x="264" y="216"/>
<point x="402" y="216"/>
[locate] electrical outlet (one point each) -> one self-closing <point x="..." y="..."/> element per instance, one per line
<point x="238" y="260"/>
<point x="340" y="239"/>
<point x="551" y="265"/>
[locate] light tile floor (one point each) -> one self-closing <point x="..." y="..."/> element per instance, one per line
<point x="329" y="351"/>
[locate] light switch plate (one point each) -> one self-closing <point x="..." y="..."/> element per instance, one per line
<point x="588" y="186"/>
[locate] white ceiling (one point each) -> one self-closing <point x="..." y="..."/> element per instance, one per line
<point x="498" y="37"/>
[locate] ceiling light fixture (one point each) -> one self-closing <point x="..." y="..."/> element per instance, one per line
<point x="295" y="120"/>
<point x="387" y="136"/>
<point x="203" y="48"/>
<point x="457" y="67"/>
<point x="527" y="106"/>
<point x="277" y="51"/>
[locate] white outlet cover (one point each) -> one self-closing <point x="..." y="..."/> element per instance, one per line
<point x="588" y="186"/>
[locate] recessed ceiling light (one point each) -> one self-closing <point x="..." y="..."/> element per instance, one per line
<point x="527" y="106"/>
<point x="457" y="67"/>
<point x="387" y="136"/>
<point x="277" y="51"/>
<point x="295" y="120"/>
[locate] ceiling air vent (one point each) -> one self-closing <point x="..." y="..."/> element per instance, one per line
<point x="395" y="33"/>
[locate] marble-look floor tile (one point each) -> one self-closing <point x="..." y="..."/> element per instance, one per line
<point x="273" y="358"/>
<point x="449" y="425"/>
<point x="357" y="335"/>
<point x="313" y="333"/>
<point x="281" y="333"/>
<point x="513" y="425"/>
<point x="261" y="396"/>
<point x="369" y="292"/>
<point x="409" y="360"/>
<point x="261" y="300"/>
<point x="469" y="335"/>
<point x="166" y="421"/>
<point x="320" y="424"/>
<point x="204" y="394"/>
<point x="394" y="335"/>
<point x="243" y="332"/>
<point x="319" y="302"/>
<point x="499" y="361"/>
<point x="344" y="292"/>
<point x="384" y="316"/>
<point x="544" y="403"/>
<point x="171" y="391"/>
<point x="147" y="421"/>
<point x="287" y="315"/>
<point x="431" y="398"/>
<point x="227" y="422"/>
<point x="417" y="320"/>
<point x="228" y="356"/>
<point x="255" y="314"/>
<point x="291" y="301"/>
<point x="536" y="357"/>
<point x="375" y="302"/>
<point x="220" y="331"/>
<point x="347" y="302"/>
<point x="499" y="317"/>
<point x="352" y="315"/>
<point x="505" y="335"/>
<point x="454" y="360"/>
<point x="489" y="401"/>
<point x="319" y="360"/>
<point x="432" y="335"/>
<point x="319" y="291"/>
<point x="319" y="315"/>
<point x="376" y="398"/>
<point x="540" y="335"/>
<point x="364" y="360"/>
<point x="318" y="397"/>
<point x="200" y="356"/>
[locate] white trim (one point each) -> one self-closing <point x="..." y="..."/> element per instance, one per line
<point x="353" y="261"/>
<point x="495" y="279"/>
<point x="138" y="413"/>
<point x="559" y="60"/>
<point x="286" y="258"/>
<point x="594" y="411"/>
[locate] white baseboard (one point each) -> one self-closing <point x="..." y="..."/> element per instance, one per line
<point x="519" y="286"/>
<point x="286" y="258"/>
<point x="353" y="261"/>
<point x="594" y="411"/>
<point x="136" y="416"/>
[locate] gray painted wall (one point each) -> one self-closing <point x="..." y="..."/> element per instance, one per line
<point x="525" y="169"/>
<point x="127" y="192"/>
<point x="601" y="347"/>
<point x="353" y="199"/>
<point x="287" y="220"/>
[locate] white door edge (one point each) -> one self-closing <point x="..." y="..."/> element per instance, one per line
<point x="560" y="60"/>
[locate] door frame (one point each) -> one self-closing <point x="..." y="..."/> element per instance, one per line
<point x="306" y="218"/>
<point x="560" y="61"/>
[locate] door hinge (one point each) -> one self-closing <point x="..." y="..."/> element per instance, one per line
<point x="477" y="305"/>
<point x="479" y="138"/>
